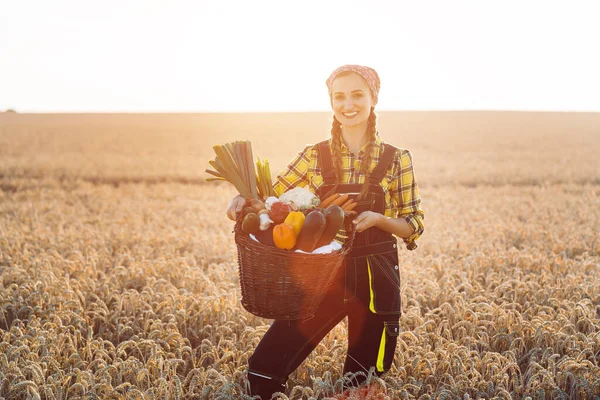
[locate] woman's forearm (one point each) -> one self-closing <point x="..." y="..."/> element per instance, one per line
<point x="395" y="226"/>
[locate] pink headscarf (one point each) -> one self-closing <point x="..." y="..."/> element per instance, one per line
<point x="367" y="73"/>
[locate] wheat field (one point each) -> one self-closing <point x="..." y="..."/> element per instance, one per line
<point x="118" y="268"/>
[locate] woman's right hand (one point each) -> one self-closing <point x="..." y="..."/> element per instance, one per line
<point x="235" y="207"/>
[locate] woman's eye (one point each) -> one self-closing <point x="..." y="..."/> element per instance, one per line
<point x="357" y="95"/>
<point x="338" y="97"/>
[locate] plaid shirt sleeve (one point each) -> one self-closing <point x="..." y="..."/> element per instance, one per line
<point x="296" y="173"/>
<point x="406" y="202"/>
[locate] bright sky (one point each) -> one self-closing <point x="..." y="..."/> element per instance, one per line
<point x="252" y="55"/>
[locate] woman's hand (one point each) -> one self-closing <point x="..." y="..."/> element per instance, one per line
<point x="235" y="207"/>
<point x="366" y="220"/>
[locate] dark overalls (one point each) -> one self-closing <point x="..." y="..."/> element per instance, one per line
<point x="366" y="289"/>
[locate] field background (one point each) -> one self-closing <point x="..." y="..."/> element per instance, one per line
<point x="118" y="271"/>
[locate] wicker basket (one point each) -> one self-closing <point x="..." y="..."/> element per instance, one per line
<point x="282" y="284"/>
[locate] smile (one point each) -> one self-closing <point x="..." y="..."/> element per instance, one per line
<point x="350" y="115"/>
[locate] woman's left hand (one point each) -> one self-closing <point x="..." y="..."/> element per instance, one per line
<point x="366" y="220"/>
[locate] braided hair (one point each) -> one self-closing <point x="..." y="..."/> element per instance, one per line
<point x="336" y="152"/>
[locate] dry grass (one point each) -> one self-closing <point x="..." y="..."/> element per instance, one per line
<point x="118" y="274"/>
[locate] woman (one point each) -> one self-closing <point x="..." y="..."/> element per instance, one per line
<point x="367" y="288"/>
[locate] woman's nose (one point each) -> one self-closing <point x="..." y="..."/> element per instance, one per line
<point x="348" y="104"/>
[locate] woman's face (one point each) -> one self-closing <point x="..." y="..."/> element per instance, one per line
<point x="351" y="99"/>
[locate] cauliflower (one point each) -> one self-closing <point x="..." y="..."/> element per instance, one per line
<point x="301" y="197"/>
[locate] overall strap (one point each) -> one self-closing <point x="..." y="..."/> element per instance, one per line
<point x="382" y="166"/>
<point x="324" y="156"/>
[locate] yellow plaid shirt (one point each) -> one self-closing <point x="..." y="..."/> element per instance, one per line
<point x="399" y="184"/>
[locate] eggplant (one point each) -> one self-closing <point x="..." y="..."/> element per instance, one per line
<point x="312" y="229"/>
<point x="334" y="220"/>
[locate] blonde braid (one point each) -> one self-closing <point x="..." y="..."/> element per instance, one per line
<point x="336" y="148"/>
<point x="336" y="153"/>
<point x="365" y="168"/>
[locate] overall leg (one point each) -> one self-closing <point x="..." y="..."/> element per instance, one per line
<point x="372" y="342"/>
<point x="287" y="344"/>
<point x="372" y="337"/>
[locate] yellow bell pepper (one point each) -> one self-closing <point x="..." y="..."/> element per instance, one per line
<point x="296" y="220"/>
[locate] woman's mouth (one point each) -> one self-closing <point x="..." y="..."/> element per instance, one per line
<point x="350" y="115"/>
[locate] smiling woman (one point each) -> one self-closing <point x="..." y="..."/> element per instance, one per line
<point x="354" y="162"/>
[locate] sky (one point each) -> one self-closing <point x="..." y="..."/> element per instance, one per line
<point x="224" y="55"/>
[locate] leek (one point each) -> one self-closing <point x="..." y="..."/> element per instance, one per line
<point x="233" y="163"/>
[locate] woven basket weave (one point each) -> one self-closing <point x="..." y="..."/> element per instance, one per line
<point x="282" y="284"/>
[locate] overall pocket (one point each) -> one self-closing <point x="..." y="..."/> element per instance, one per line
<point x="387" y="349"/>
<point x="384" y="282"/>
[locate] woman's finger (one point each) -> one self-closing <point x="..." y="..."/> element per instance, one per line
<point x="235" y="207"/>
<point x="231" y="213"/>
<point x="359" y="218"/>
<point x="240" y="205"/>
